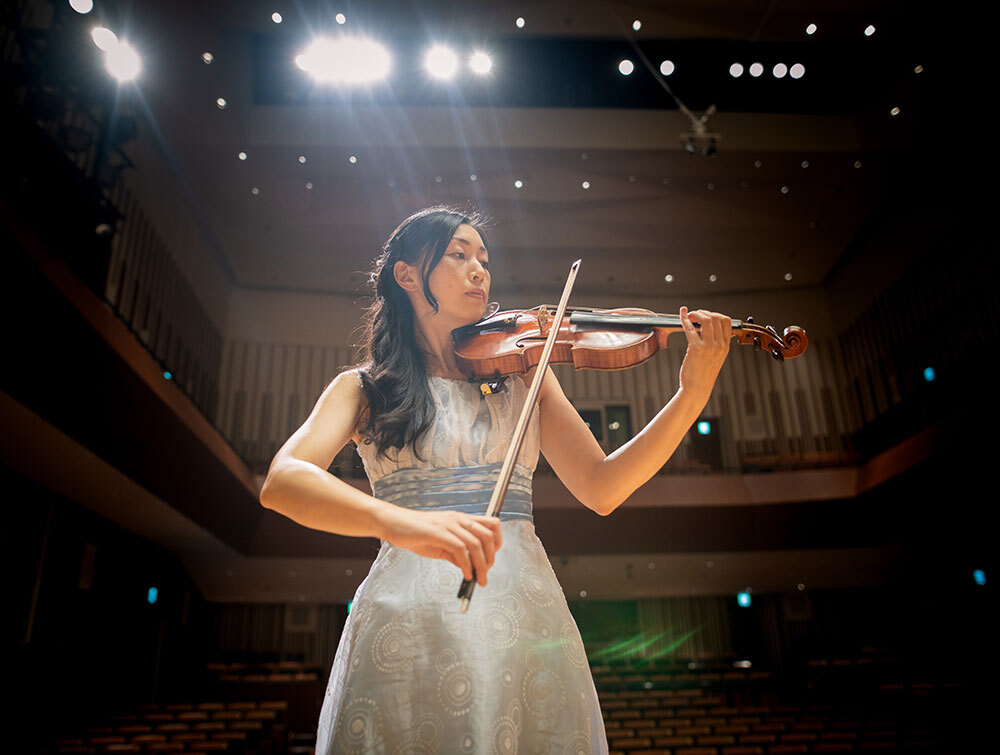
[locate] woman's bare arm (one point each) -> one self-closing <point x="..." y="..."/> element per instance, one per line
<point x="298" y="484"/>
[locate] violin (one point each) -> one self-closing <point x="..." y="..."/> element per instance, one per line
<point x="511" y="342"/>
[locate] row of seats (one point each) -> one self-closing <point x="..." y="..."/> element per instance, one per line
<point x="237" y="727"/>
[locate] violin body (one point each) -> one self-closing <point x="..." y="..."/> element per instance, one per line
<point x="511" y="342"/>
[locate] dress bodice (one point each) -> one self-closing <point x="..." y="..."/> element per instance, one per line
<point x="468" y="430"/>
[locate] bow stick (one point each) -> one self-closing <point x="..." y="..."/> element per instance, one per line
<point x="500" y="490"/>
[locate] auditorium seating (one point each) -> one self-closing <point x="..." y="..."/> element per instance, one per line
<point x="837" y="705"/>
<point x="250" y="727"/>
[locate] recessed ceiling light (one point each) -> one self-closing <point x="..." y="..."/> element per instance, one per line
<point x="276" y="17"/>
<point x="221" y="103"/>
<point x="207" y="57"/>
<point x="519" y="22"/>
<point x="242" y="155"/>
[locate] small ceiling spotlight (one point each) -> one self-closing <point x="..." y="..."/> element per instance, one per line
<point x="340" y="18"/>
<point x="441" y="62"/>
<point x="353" y="160"/>
<point x="788" y="276"/>
<point x="83" y="7"/>
<point x="797" y="71"/>
<point x="869" y="30"/>
<point x="668" y="278"/>
<point x="519" y="22"/>
<point x="779" y="70"/>
<point x="811" y="29"/>
<point x="894" y="111"/>
<point x="480" y="63"/>
<point x="756" y="69"/>
<point x="221" y="103"/>
<point x="242" y="155"/>
<point x="585" y="184"/>
<point x="276" y="17"/>
<point x="736" y="70"/>
<point x="637" y="24"/>
<point x="302" y="159"/>
<point x="667" y="67"/>
<point x="518" y="183"/>
<point x="208" y="58"/>
<point x="626" y="67"/>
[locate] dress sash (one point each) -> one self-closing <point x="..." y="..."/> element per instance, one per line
<point x="465" y="489"/>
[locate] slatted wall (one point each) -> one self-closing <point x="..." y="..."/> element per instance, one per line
<point x="802" y="412"/>
<point x="151" y="295"/>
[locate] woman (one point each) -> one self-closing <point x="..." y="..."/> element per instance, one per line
<point x="412" y="673"/>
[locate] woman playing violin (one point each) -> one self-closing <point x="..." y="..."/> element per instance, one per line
<point x="411" y="672"/>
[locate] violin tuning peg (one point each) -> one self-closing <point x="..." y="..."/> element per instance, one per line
<point x="756" y="343"/>
<point x="776" y="353"/>
<point x="770" y="329"/>
<point x="749" y="319"/>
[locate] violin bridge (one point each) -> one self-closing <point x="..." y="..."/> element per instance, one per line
<point x="544" y="320"/>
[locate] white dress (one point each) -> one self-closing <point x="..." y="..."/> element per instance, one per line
<point x="414" y="675"/>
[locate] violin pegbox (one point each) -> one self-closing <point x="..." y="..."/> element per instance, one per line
<point x="790" y="344"/>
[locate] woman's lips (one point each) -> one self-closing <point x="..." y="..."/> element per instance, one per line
<point x="477" y="294"/>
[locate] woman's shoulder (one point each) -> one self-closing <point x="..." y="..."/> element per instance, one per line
<point x="348" y="387"/>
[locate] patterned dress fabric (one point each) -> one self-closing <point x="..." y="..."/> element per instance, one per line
<point x="414" y="675"/>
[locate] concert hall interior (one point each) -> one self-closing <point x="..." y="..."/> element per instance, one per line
<point x="193" y="195"/>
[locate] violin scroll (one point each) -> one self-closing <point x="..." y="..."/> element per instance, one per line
<point x="790" y="344"/>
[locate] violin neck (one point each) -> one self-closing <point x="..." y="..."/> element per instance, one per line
<point x="637" y="321"/>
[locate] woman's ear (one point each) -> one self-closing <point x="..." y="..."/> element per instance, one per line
<point x="406" y="276"/>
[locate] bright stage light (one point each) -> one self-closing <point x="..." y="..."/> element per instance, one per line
<point x="779" y="70"/>
<point x="626" y="67"/>
<point x="345" y="61"/>
<point x="480" y="62"/>
<point x="103" y="38"/>
<point x="441" y="62"/>
<point x="797" y="71"/>
<point x="667" y="67"/>
<point x="82" y="7"/>
<point x="736" y="70"/>
<point x="756" y="69"/>
<point x="122" y="62"/>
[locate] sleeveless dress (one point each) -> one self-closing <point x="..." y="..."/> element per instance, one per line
<point x="414" y="675"/>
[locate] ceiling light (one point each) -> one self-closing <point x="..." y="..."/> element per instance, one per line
<point x="347" y="60"/>
<point x="779" y="70"/>
<point x="302" y="158"/>
<point x="82" y="6"/>
<point x="276" y="17"/>
<point x="869" y="30"/>
<point x="736" y="70"/>
<point x="441" y="62"/>
<point x="797" y="71"/>
<point x="626" y="67"/>
<point x="242" y="155"/>
<point x="637" y="24"/>
<point x="103" y="38"/>
<point x="221" y="103"/>
<point x="480" y="63"/>
<point x="340" y="18"/>
<point x="122" y="62"/>
<point x="518" y="184"/>
<point x="756" y="69"/>
<point x="585" y="184"/>
<point x="519" y="22"/>
<point x="811" y="29"/>
<point x="667" y="67"/>
<point x="207" y="57"/>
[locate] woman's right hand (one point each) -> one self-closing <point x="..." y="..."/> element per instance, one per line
<point x="466" y="540"/>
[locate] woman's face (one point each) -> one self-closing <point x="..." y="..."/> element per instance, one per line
<point x="461" y="280"/>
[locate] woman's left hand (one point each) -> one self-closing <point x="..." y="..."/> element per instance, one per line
<point x="707" y="348"/>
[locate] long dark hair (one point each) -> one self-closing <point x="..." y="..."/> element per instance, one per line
<point x="392" y="367"/>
